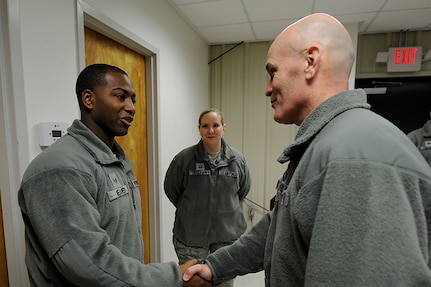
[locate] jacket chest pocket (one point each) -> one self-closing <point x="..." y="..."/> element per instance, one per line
<point x="229" y="180"/>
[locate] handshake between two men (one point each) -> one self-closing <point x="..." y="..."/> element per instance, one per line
<point x="196" y="275"/>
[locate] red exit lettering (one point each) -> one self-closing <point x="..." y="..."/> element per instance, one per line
<point x="405" y="56"/>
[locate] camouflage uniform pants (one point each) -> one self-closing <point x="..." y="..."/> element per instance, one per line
<point x="185" y="253"/>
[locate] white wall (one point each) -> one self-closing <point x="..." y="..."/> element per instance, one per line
<point x="353" y="29"/>
<point x="49" y="65"/>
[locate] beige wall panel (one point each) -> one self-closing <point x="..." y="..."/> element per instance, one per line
<point x="237" y="86"/>
<point x="214" y="76"/>
<point x="232" y="95"/>
<point x="255" y="119"/>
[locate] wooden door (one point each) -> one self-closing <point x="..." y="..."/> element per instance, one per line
<point x="101" y="49"/>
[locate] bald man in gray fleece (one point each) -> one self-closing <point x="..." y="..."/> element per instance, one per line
<point x="354" y="205"/>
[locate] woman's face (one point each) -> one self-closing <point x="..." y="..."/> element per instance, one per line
<point x="211" y="129"/>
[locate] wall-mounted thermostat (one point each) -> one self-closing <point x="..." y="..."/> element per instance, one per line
<point x="49" y="132"/>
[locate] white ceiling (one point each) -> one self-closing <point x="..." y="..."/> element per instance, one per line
<point x="232" y="21"/>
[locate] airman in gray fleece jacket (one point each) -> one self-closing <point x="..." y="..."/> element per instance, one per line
<point x="81" y="207"/>
<point x="353" y="213"/>
<point x="80" y="200"/>
<point x="208" y="196"/>
<point x="353" y="207"/>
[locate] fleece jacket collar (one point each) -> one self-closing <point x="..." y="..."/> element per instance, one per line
<point x="321" y="116"/>
<point x="96" y="147"/>
<point x="227" y="154"/>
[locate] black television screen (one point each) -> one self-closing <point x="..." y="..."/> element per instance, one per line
<point x="405" y="102"/>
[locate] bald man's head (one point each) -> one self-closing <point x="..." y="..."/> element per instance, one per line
<point x="309" y="62"/>
<point x="327" y="33"/>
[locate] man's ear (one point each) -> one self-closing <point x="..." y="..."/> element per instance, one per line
<point x="312" y="56"/>
<point x="87" y="98"/>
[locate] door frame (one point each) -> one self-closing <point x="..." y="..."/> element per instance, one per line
<point x="14" y="153"/>
<point x="91" y="18"/>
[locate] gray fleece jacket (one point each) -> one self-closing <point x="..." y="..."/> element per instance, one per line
<point x="422" y="139"/>
<point x="356" y="211"/>
<point x="208" y="195"/>
<point x="81" y="208"/>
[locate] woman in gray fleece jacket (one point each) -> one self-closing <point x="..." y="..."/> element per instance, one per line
<point x="354" y="205"/>
<point x="207" y="183"/>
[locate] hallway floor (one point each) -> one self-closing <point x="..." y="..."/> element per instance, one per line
<point x="250" y="280"/>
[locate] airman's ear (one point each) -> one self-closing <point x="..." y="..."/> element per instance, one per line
<point x="312" y="56"/>
<point x="87" y="98"/>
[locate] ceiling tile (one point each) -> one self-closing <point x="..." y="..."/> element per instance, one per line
<point x="337" y="7"/>
<point x="268" y="10"/>
<point x="403" y="4"/>
<point x="237" y="33"/>
<point x="363" y="19"/>
<point x="390" y="20"/>
<point x="181" y="2"/>
<point x="260" y="20"/>
<point x="267" y="31"/>
<point x="213" y="13"/>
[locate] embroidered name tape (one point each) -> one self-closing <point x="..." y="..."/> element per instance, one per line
<point x="228" y="173"/>
<point x="116" y="193"/>
<point x="199" y="172"/>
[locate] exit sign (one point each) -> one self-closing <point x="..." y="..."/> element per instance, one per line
<point x="405" y="59"/>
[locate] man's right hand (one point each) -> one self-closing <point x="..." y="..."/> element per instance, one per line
<point x="193" y="280"/>
<point x="202" y="270"/>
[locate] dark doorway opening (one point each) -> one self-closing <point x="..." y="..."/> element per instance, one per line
<point x="406" y="102"/>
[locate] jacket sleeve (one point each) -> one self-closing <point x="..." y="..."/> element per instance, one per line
<point x="80" y="269"/>
<point x="245" y="255"/>
<point x="65" y="218"/>
<point x="173" y="184"/>
<point x="416" y="136"/>
<point x="245" y="180"/>
<point x="370" y="228"/>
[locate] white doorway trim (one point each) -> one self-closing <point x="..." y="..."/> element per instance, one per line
<point x="14" y="153"/>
